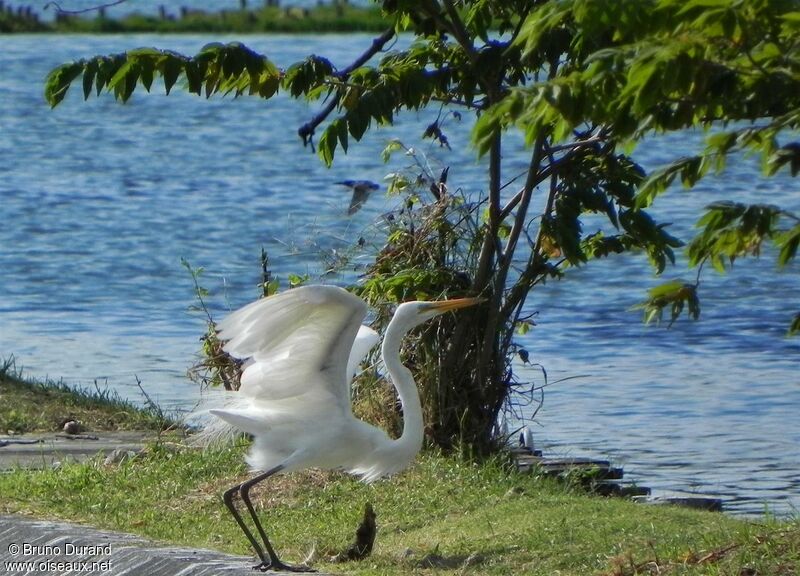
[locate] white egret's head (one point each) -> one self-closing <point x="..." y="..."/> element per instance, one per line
<point x="410" y="314"/>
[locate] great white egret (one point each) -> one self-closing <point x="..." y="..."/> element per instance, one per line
<point x="302" y="348"/>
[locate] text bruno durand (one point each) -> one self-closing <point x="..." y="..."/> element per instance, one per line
<point x="62" y="557"/>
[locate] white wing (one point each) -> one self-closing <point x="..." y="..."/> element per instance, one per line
<point x="365" y="340"/>
<point x="298" y="344"/>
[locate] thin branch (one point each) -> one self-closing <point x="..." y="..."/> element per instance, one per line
<point x="533" y="180"/>
<point x="551" y="169"/>
<point x="60" y="10"/>
<point x="513" y="179"/>
<point x="789" y="215"/>
<point x="494" y="317"/>
<point x="541" y="177"/>
<point x="528" y="278"/>
<point x="485" y="259"/>
<point x="699" y="272"/>
<point x="377" y="45"/>
<point x="460" y="31"/>
<point x="551" y="198"/>
<point x="454" y="101"/>
<point x="306" y="131"/>
<point x="579" y="144"/>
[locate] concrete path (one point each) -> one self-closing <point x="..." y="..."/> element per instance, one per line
<point x="39" y="547"/>
<point x="43" y="548"/>
<point x="46" y="449"/>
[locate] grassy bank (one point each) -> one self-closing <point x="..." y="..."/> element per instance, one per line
<point x="322" y="18"/>
<point x="28" y="405"/>
<point x="442" y="516"/>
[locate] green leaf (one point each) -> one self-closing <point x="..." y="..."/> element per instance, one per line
<point x="118" y="79"/>
<point x="674" y="295"/>
<point x="341" y="131"/>
<point x="89" y="72"/>
<point x="731" y="230"/>
<point x="393" y="146"/>
<point x="357" y="123"/>
<point x="146" y="75"/>
<point x="665" y="290"/>
<point x="171" y="68"/>
<point x="123" y="82"/>
<point x="794" y="327"/>
<point x="296" y="280"/>
<point x="269" y="80"/>
<point x="327" y="144"/>
<point x="788" y="242"/>
<point x="398" y="183"/>
<point x="522" y="327"/>
<point x="272" y="287"/>
<point x="194" y="77"/>
<point x="59" y="80"/>
<point x="141" y="54"/>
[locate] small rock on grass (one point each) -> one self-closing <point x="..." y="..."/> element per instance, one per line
<point x="117" y="456"/>
<point x="71" y="427"/>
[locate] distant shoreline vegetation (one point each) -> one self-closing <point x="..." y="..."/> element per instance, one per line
<point x="336" y="16"/>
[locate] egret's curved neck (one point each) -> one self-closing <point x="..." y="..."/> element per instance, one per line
<point x="413" y="429"/>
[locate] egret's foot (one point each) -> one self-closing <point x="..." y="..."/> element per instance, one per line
<point x="277" y="565"/>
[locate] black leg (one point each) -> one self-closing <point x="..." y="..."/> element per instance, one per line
<point x="227" y="497"/>
<point x="244" y="492"/>
<point x="274" y="562"/>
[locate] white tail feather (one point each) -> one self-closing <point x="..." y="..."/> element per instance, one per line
<point x="212" y="430"/>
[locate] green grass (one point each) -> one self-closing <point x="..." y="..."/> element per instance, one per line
<point x="32" y="406"/>
<point x="440" y="517"/>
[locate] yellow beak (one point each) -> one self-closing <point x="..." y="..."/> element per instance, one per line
<point x="447" y="305"/>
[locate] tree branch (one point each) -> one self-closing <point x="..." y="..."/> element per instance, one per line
<point x="533" y="180"/>
<point x="60" y="10"/>
<point x="496" y="308"/>
<point x="485" y="258"/>
<point x="528" y="278"/>
<point x="459" y="31"/>
<point x="377" y="45"/>
<point x="550" y="169"/>
<point x="306" y="131"/>
<point x="490" y="245"/>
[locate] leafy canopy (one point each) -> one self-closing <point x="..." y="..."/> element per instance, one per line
<point x="613" y="70"/>
<point x="584" y="81"/>
<point x="561" y="72"/>
<point x="632" y="67"/>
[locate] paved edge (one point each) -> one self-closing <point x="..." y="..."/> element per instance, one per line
<point x="44" y="450"/>
<point x="56" y="548"/>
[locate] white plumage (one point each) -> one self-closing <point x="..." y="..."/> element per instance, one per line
<point x="302" y="348"/>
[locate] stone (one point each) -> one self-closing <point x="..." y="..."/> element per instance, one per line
<point x="71" y="427"/>
<point x="118" y="456"/>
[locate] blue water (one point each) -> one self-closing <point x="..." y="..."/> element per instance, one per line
<point x="100" y="202"/>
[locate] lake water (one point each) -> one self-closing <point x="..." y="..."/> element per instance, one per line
<point x="100" y="202"/>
